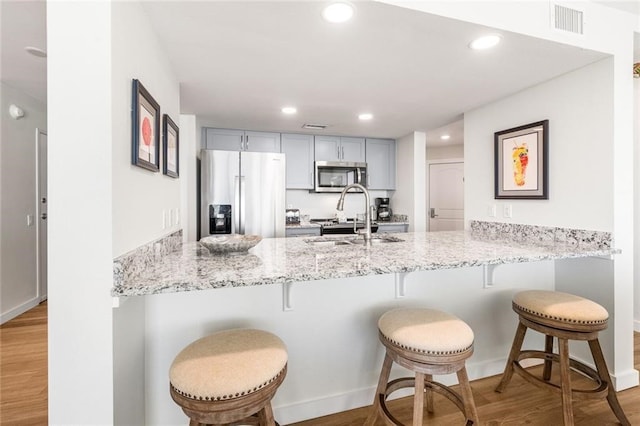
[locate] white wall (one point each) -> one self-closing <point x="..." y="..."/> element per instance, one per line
<point x="579" y="107"/>
<point x="189" y="147"/>
<point x="102" y="206"/>
<point x="445" y="152"/>
<point x="585" y="189"/>
<point x="80" y="228"/>
<point x="410" y="196"/>
<point x="140" y="197"/>
<point x="18" y="278"/>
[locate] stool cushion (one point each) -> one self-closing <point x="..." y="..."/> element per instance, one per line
<point x="562" y="307"/>
<point x="426" y="330"/>
<point x="228" y="364"/>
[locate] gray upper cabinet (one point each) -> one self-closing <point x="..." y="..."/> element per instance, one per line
<point x="298" y="150"/>
<point x="336" y="148"/>
<point x="381" y="163"/>
<point x="241" y="140"/>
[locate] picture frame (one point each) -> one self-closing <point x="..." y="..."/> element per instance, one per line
<point x="170" y="147"/>
<point x="145" y="128"/>
<point x="521" y="162"/>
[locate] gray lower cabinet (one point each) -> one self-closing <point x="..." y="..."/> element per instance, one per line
<point x="388" y="228"/>
<point x="298" y="150"/>
<point x="381" y="163"/>
<point x="337" y="148"/>
<point x="302" y="232"/>
<point x="240" y="140"/>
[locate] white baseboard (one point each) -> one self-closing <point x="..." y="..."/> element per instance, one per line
<point x="20" y="309"/>
<point x="625" y="380"/>
<point x="636" y="326"/>
<point x="349" y="400"/>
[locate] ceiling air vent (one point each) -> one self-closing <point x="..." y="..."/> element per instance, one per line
<point x="315" y="126"/>
<point x="567" y="19"/>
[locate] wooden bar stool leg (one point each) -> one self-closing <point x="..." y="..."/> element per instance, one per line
<point x="380" y="390"/>
<point x="565" y="381"/>
<point x="429" y="393"/>
<point x="513" y="356"/>
<point x="603" y="372"/>
<point x="265" y="416"/>
<point x="418" y="399"/>
<point x="467" y="396"/>
<point x="548" y="348"/>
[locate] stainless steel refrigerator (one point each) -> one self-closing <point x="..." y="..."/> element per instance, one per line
<point x="242" y="193"/>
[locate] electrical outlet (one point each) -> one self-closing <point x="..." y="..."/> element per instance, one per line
<point x="177" y="221"/>
<point x="507" y="210"/>
<point x="164" y="219"/>
<point x="491" y="210"/>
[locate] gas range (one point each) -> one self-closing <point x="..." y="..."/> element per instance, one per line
<point x="332" y="226"/>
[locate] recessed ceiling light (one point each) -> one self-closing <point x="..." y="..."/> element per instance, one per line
<point x="485" y="42"/>
<point x="289" y="110"/>
<point x="36" y="51"/>
<point x="445" y="137"/>
<point x="365" y="116"/>
<point x="338" y="12"/>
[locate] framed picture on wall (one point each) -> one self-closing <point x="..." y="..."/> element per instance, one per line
<point x="145" y="128"/>
<point x="171" y="143"/>
<point x="521" y="169"/>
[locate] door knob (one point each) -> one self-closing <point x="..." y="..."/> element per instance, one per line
<point x="432" y="213"/>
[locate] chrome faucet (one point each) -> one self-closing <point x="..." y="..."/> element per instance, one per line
<point x="367" y="213"/>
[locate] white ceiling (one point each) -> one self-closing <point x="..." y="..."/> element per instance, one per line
<point x="238" y="63"/>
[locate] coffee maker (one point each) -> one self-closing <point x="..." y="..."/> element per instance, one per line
<point x="383" y="210"/>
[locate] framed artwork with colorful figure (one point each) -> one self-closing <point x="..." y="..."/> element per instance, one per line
<point x="145" y="119"/>
<point x="521" y="169"/>
<point x="170" y="147"/>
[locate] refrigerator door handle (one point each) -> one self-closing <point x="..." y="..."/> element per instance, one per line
<point x="243" y="193"/>
<point x="236" y="214"/>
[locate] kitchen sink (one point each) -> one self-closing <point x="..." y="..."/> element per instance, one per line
<point x="322" y="242"/>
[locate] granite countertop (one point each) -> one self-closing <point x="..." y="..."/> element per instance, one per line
<point x="285" y="260"/>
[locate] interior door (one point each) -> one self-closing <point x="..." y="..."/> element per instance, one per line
<point x="41" y="200"/>
<point x="446" y="197"/>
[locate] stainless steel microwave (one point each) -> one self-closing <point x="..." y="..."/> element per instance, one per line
<point x="333" y="176"/>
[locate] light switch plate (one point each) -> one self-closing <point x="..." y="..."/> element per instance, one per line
<point x="507" y="212"/>
<point x="164" y="219"/>
<point x="491" y="210"/>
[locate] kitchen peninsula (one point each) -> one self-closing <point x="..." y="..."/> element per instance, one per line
<point x="280" y="260"/>
<point x="324" y="299"/>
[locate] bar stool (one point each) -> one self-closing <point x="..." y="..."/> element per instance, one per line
<point x="565" y="317"/>
<point x="427" y="342"/>
<point x="229" y="377"/>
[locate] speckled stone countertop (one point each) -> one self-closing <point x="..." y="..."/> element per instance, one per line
<point x="286" y="260"/>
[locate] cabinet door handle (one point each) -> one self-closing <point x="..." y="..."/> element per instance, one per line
<point x="241" y="142"/>
<point x="246" y="143"/>
<point x="342" y="154"/>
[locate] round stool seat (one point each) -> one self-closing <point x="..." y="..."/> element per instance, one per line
<point x="426" y="331"/>
<point x="558" y="309"/>
<point x="228" y="364"/>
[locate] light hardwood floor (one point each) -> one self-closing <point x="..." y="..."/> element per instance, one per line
<point x="23" y="369"/>
<point x="23" y="390"/>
